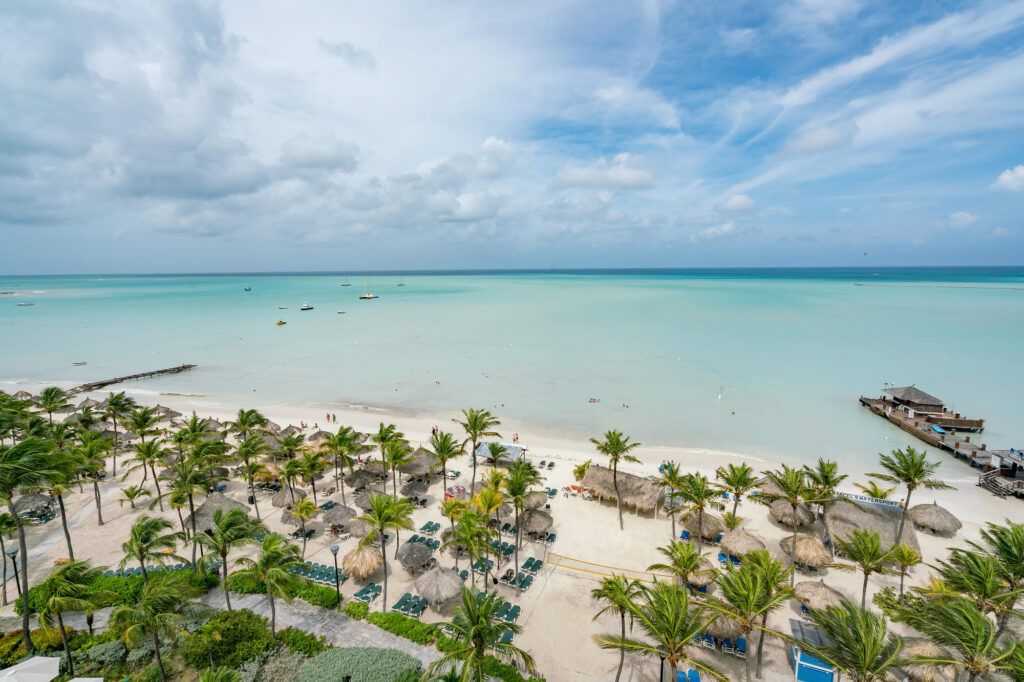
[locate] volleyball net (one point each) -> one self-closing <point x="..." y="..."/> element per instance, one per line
<point x="598" y="571"/>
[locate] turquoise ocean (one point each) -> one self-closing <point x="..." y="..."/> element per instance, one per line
<point x="764" y="362"/>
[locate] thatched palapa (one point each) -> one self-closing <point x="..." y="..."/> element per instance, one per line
<point x="419" y="464"/>
<point x="536" y="521"/>
<point x="927" y="672"/>
<point x="439" y="585"/>
<point x="809" y="551"/>
<point x="934" y="518"/>
<point x="375" y="466"/>
<point x="782" y="511"/>
<point x="815" y="594"/>
<point x="709" y="527"/>
<point x="283" y="498"/>
<point x="413" y="554"/>
<point x="705" y="574"/>
<point x="30" y="502"/>
<point x="535" y="500"/>
<point x="723" y="627"/>
<point x="637" y="492"/>
<point x="213" y="502"/>
<point x="362" y="562"/>
<point x="414" y="489"/>
<point x="362" y="478"/>
<point x="339" y="515"/>
<point x="738" y="542"/>
<point x="844" y="517"/>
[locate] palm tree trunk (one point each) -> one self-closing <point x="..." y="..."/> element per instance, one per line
<point x="192" y="510"/>
<point x="113" y="450"/>
<point x="792" y="574"/>
<point x="3" y="557"/>
<point x="735" y="503"/>
<point x="224" y="584"/>
<point x="145" y="575"/>
<point x="903" y="574"/>
<point x="156" y="482"/>
<point x="341" y="487"/>
<point x="700" y="530"/>
<point x="273" y="614"/>
<point x="159" y="658"/>
<point x="517" y="541"/>
<point x="64" y="522"/>
<point x="252" y="491"/>
<point x="864" y="590"/>
<point x="96" y="493"/>
<point x="746" y="659"/>
<point x="622" y="652"/>
<point x="760" y="645"/>
<point x="312" y="482"/>
<point x="384" y="556"/>
<point x="29" y="649"/>
<point x="67" y="647"/>
<point x="181" y="520"/>
<point x="618" y="498"/>
<point x="903" y="517"/>
<point x="472" y="485"/>
<point x="672" y="517"/>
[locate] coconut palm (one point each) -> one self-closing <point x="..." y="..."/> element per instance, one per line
<point x="475" y="631"/>
<point x="872" y="489"/>
<point x="493" y="478"/>
<point x="912" y="470"/>
<point x="773" y="576"/>
<point x="864" y="549"/>
<point x="312" y="463"/>
<point x="232" y="530"/>
<point x="683" y="561"/>
<point x="118" y="405"/>
<point x="669" y="623"/>
<point x="671" y="479"/>
<point x="343" y="446"/>
<point x="304" y="510"/>
<point x="737" y="480"/>
<point x="248" y="472"/>
<point x="53" y="399"/>
<point x="23" y="465"/>
<point x="452" y="508"/>
<point x="272" y="569"/>
<point x="443" y="448"/>
<point x="66" y="589"/>
<point x="396" y="453"/>
<point x="488" y="501"/>
<point x="148" y="455"/>
<point x="188" y="478"/>
<point x="246" y="423"/>
<point x="161" y="611"/>
<point x="977" y="576"/>
<point x="477" y="424"/>
<point x="142" y="422"/>
<point x="906" y="557"/>
<point x="386" y="513"/>
<point x="291" y="472"/>
<point x="249" y="452"/>
<point x="149" y="541"/>
<point x="795" y="489"/>
<point x="386" y="433"/>
<point x="495" y="451"/>
<point x="520" y="484"/>
<point x="858" y="642"/>
<point x="699" y="495"/>
<point x="90" y="458"/>
<point x="7" y="527"/>
<point x="616" y="594"/>
<point x="470" y="534"/>
<point x="64" y="475"/>
<point x="742" y="597"/>
<point x="132" y="493"/>
<point x="824" y="478"/>
<point x="579" y="471"/>
<point x="616" y="447"/>
<point x="197" y="430"/>
<point x="1006" y="544"/>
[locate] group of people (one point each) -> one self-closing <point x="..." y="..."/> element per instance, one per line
<point x="332" y="418"/>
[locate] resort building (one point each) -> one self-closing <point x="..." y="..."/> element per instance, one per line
<point x="508" y="452"/>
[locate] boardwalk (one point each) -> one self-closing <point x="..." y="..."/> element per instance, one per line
<point x="116" y="380"/>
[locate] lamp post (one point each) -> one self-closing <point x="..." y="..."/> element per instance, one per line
<point x="337" y="582"/>
<point x="13" y="553"/>
<point x="661" y="675"/>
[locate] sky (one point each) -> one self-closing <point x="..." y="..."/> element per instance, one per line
<point x="243" y="135"/>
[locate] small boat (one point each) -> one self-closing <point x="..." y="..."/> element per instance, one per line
<point x="280" y="322"/>
<point x="248" y="288"/>
<point x="346" y="282"/>
<point x="305" y="306"/>
<point x="401" y="282"/>
<point x="25" y="303"/>
<point x="282" y="307"/>
<point x="368" y="296"/>
<point x="341" y="312"/>
<point x="78" y="364"/>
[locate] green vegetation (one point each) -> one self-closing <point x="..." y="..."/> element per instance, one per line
<point x="363" y="664"/>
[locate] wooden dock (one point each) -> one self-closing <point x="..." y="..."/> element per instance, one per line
<point x="144" y="375"/>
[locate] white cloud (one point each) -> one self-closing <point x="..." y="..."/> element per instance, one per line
<point x="823" y="139"/>
<point x="356" y="57"/>
<point x="961" y="219"/>
<point x="321" y="152"/>
<point x="624" y="171"/>
<point x="1002" y="232"/>
<point x="736" y="40"/>
<point x="715" y="232"/>
<point x="635" y="104"/>
<point x="1010" y="179"/>
<point x="739" y="203"/>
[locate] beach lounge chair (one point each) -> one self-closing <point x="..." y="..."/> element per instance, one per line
<point x="528" y="565"/>
<point x="703" y="589"/>
<point x="537" y="565"/>
<point x="504" y="529"/>
<point x="513" y="614"/>
<point x="400" y="606"/>
<point x="741" y="647"/>
<point x="717" y="540"/>
<point x="805" y="613"/>
<point x="722" y="560"/>
<point x="727" y="646"/>
<point x="503" y="610"/>
<point x="551" y="465"/>
<point x="552" y="492"/>
<point x="734" y="559"/>
<point x="709" y="641"/>
<point x="697" y="640"/>
<point x="685" y="535"/>
<point x="464" y="574"/>
<point x="507" y="637"/>
<point x="692" y="676"/>
<point x="525" y="584"/>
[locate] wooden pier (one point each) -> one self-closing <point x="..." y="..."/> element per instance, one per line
<point x="144" y="375"/>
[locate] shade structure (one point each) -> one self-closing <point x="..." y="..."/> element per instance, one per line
<point x="292" y="520"/>
<point x="738" y="542"/>
<point x="936" y="518"/>
<point x="88" y="402"/>
<point x="809" y="551"/>
<point x="705" y="574"/>
<point x="815" y="594"/>
<point x="535" y="500"/>
<point x="317" y="437"/>
<point x="419" y="464"/>
<point x="537" y="521"/>
<point x="272" y="427"/>
<point x="339" y="515"/>
<point x="782" y="511"/>
<point x="413" y="554"/>
<point x="358" y="528"/>
<point x="637" y="492"/>
<point x="362" y="562"/>
<point x="361" y="478"/>
<point x="31" y="502"/>
<point x="439" y="585"/>
<point x="35" y="669"/>
<point x="766" y="486"/>
<point x="414" y="489"/>
<point x="213" y="502"/>
<point x="375" y="466"/>
<point x="710" y="526"/>
<point x="844" y="517"/>
<point x="506" y="510"/>
<point x="220" y="472"/>
<point x="362" y="501"/>
<point x="927" y="672"/>
<point x="282" y="498"/>
<point x="289" y="430"/>
<point x="22" y="395"/>
<point x="723" y="627"/>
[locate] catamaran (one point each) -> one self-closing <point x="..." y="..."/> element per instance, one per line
<point x="368" y="295"/>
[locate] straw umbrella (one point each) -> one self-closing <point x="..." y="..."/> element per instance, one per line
<point x="414" y="489"/>
<point x="213" y="502"/>
<point x="31" y="502"/>
<point x="358" y="528"/>
<point x="362" y="562"/>
<point x="738" y="542"/>
<point x="22" y="395"/>
<point x="289" y="430"/>
<point x="283" y="498"/>
<point x="377" y="467"/>
<point x="712" y="526"/>
<point x="362" y="501"/>
<point x="288" y="517"/>
<point x="704" y="576"/>
<point x="535" y="500"/>
<point x="537" y="521"/>
<point x="413" y="554"/>
<point x="361" y="478"/>
<point x="927" y="672"/>
<point x="419" y="463"/>
<point x="782" y="511"/>
<point x="439" y="585"/>
<point x="815" y="594"/>
<point x="723" y="627"/>
<point x="934" y="518"/>
<point x="809" y="551"/>
<point x="339" y="515"/>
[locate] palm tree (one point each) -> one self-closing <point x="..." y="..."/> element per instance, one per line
<point x="906" y="557"/>
<point x="118" y="405"/>
<point x="142" y="421"/>
<point x="477" y="424"/>
<point x="616" y="447"/>
<point x="386" y="513"/>
<point x="872" y="489"/>
<point x="291" y="472"/>
<point x="773" y="577"/>
<point x="795" y="489"/>
<point x="493" y="478"/>
<point x="386" y="433"/>
<point x="452" y="508"/>
<point x="312" y="463"/>
<point x="53" y="399"/>
<point x="617" y="594"/>
<point x="196" y="430"/>
<point x="273" y="569"/>
<point x="911" y="469"/>
<point x="7" y="527"/>
<point x="864" y="549"/>
<point x="148" y="454"/>
<point x="343" y="445"/>
<point x="304" y="510"/>
<point x="858" y="642"/>
<point x="65" y="474"/>
<point x="1006" y="544"/>
<point x="132" y="493"/>
<point x="669" y="624"/>
<point x="742" y="597"/>
<point x="246" y="423"/>
<point x="189" y="477"/>
<point x="519" y="486"/>
<point x="683" y="561"/>
<point x="700" y="495"/>
<point x="579" y="471"/>
<point x="396" y="453"/>
<point x="250" y="451"/>
<point x="23" y="465"/>
<point x="476" y="632"/>
<point x="65" y="589"/>
<point x="90" y="457"/>
<point x="147" y="541"/>
<point x="737" y="480"/>
<point x="231" y="530"/>
<point x="825" y="478"/>
<point x="671" y="479"/>
<point x="444" y="447"/>
<point x="162" y="609"/>
<point x="249" y="471"/>
<point x="220" y="674"/>
<point x="977" y="576"/>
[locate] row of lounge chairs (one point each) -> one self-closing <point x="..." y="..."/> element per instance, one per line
<point x="532" y="565"/>
<point x="547" y="539"/>
<point x="463" y="574"/>
<point x="508" y="529"/>
<point x="298" y="535"/>
<point x="546" y="465"/>
<point x="737" y="649"/>
<point x="410" y="605"/>
<point x="690" y="675"/>
<point x="507" y="612"/>
<point x="685" y="535"/>
<point x="505" y="549"/>
<point x="430" y="527"/>
<point x="731" y="559"/>
<point x="268" y="487"/>
<point x="155" y="568"/>
<point x="521" y="581"/>
<point x="479" y="566"/>
<point x="368" y="593"/>
<point x="454" y="474"/>
<point x="328" y="505"/>
<point x="320" y="573"/>
<point x="432" y="544"/>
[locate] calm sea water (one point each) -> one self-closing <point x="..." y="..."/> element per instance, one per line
<point x="768" y="363"/>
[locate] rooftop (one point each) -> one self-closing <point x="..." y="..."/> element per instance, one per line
<point x="914" y="395"/>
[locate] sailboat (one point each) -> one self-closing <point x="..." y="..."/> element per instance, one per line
<point x="401" y="282"/>
<point x="346" y="282"/>
<point x="368" y="295"/>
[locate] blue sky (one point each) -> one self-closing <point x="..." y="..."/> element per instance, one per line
<point x="241" y="135"/>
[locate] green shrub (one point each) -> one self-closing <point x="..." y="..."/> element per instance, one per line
<point x="282" y="666"/>
<point x="503" y="671"/>
<point x="231" y="637"/>
<point x="108" y="654"/>
<point x="318" y="595"/>
<point x="356" y="610"/>
<point x="364" y="664"/>
<point x="403" y="626"/>
<point x="12" y="645"/>
<point x="302" y="642"/>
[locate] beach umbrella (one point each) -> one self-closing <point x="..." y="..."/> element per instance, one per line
<point x="172" y="414"/>
<point x="537" y="521"/>
<point x="27" y="503"/>
<point x="272" y="427"/>
<point x="506" y="510"/>
<point x="815" y="594"/>
<point x="213" y="502"/>
<point x="844" y="517"/>
<point x="535" y="500"/>
<point x="809" y="551"/>
<point x="361" y="478"/>
<point x="705" y="574"/>
<point x="712" y="525"/>
<point x="723" y="627"/>
<point x="271" y="474"/>
<point x="214" y="424"/>
<point x="439" y="585"/>
<point x="283" y="498"/>
<point x="317" y="437"/>
<point x="414" y="489"/>
<point x="339" y="515"/>
<point x="88" y="402"/>
<point x="219" y="472"/>
<point x="766" y="486"/>
<point x="289" y="430"/>
<point x="375" y="466"/>
<point x="362" y="562"/>
<point x="419" y="464"/>
<point x="288" y="517"/>
<point x="413" y="554"/>
<point x="738" y="542"/>
<point x="22" y="395"/>
<point x="782" y="511"/>
<point x="362" y="501"/>
<point x="358" y="528"/>
<point x="934" y="518"/>
<point x="927" y="672"/>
